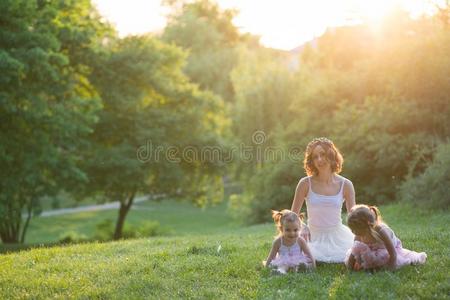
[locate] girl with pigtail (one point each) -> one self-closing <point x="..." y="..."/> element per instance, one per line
<point x="289" y="251"/>
<point x="376" y="246"/>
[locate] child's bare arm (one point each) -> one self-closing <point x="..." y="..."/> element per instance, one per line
<point x="351" y="259"/>
<point x="273" y="252"/>
<point x="305" y="249"/>
<point x="384" y="234"/>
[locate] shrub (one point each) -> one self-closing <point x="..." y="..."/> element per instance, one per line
<point x="72" y="237"/>
<point x="430" y="189"/>
<point x="105" y="230"/>
<point x="144" y="229"/>
<point x="273" y="187"/>
<point x="239" y="206"/>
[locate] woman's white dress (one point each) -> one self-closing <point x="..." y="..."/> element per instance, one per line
<point x="330" y="239"/>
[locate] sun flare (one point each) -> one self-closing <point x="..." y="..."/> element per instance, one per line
<point x="375" y="11"/>
<point x="282" y="24"/>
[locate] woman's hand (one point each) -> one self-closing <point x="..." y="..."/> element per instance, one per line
<point x="304" y="233"/>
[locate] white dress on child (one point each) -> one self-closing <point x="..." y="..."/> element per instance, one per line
<point x="290" y="257"/>
<point x="330" y="239"/>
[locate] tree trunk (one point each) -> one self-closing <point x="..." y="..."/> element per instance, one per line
<point x="9" y="225"/>
<point x="8" y="234"/>
<point x="25" y="226"/>
<point x="125" y="206"/>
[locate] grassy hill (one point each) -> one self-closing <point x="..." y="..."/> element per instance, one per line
<point x="223" y="265"/>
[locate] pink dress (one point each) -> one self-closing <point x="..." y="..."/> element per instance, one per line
<point x="375" y="255"/>
<point x="290" y="257"/>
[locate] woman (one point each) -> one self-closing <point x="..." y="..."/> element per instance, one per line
<point x="325" y="191"/>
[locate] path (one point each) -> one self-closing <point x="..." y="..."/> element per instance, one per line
<point x="106" y="206"/>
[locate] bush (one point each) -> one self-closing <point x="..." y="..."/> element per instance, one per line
<point x="380" y="145"/>
<point x="72" y="237"/>
<point x="105" y="230"/>
<point x="144" y="229"/>
<point x="431" y="188"/>
<point x="239" y="206"/>
<point x="273" y="187"/>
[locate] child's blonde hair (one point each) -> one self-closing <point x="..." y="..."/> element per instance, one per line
<point x="365" y="217"/>
<point x="283" y="216"/>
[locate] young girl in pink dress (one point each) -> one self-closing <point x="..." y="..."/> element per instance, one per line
<point x="289" y="251"/>
<point x="376" y="245"/>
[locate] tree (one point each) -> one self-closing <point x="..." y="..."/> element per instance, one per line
<point x="149" y="110"/>
<point x="209" y="35"/>
<point x="428" y="189"/>
<point x="382" y="97"/>
<point x="46" y="105"/>
<point x="264" y="91"/>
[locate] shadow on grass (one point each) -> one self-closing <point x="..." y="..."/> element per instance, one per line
<point x="11" y="248"/>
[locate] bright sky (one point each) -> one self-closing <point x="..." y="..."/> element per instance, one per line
<point x="282" y="24"/>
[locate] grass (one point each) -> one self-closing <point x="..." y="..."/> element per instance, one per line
<point x="175" y="218"/>
<point x="194" y="266"/>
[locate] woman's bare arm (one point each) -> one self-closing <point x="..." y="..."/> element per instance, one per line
<point x="300" y="193"/>
<point x="299" y="198"/>
<point x="349" y="195"/>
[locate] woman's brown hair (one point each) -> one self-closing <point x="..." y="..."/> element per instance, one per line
<point x="333" y="155"/>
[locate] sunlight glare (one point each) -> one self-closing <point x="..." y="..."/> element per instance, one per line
<point x="133" y="16"/>
<point x="375" y="11"/>
<point x="281" y="24"/>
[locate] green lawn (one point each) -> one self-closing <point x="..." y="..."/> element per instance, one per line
<point x="194" y="266"/>
<point x="175" y="218"/>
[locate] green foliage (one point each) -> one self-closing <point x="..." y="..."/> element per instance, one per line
<point x="430" y="190"/>
<point x="47" y="105"/>
<point x="381" y="96"/>
<point x="104" y="230"/>
<point x="65" y="70"/>
<point x="263" y="95"/>
<point x="239" y="206"/>
<point x="266" y="197"/>
<point x="383" y="140"/>
<point x="196" y="267"/>
<point x="209" y="35"/>
<point x="149" y="108"/>
<point x="78" y="104"/>
<point x="72" y="237"/>
<point x="145" y="229"/>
